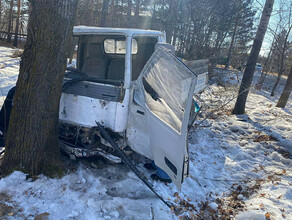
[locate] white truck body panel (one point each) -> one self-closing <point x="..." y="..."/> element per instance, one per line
<point x="86" y="111"/>
<point x="128" y="32"/>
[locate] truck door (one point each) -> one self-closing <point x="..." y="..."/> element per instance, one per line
<point x="164" y="92"/>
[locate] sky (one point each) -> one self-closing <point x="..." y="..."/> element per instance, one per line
<point x="274" y="20"/>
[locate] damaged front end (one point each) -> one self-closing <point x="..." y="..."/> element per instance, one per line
<point x="85" y="101"/>
<point x="80" y="141"/>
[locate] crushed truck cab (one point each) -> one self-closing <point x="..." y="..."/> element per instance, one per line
<point x="130" y="82"/>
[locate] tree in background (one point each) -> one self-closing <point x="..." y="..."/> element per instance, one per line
<point x="243" y="30"/>
<point x="277" y="60"/>
<point x="15" y="41"/>
<point x="11" y="17"/>
<point x="10" y="21"/>
<point x="232" y="39"/>
<point x="286" y="92"/>
<point x="0" y="10"/>
<point x="252" y="59"/>
<point x="267" y="66"/>
<point x="104" y="13"/>
<point x="32" y="138"/>
<point x="197" y="28"/>
<point x="282" y="47"/>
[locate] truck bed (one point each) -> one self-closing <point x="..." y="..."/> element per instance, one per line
<point x="200" y="68"/>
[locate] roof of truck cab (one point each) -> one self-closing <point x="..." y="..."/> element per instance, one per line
<point x="90" y="30"/>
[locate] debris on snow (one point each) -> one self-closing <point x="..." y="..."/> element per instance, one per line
<point x="213" y="206"/>
<point x="43" y="216"/>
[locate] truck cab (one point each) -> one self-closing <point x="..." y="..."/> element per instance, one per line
<point x="115" y="58"/>
<point x="130" y="82"/>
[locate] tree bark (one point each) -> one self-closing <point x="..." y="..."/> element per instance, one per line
<point x="32" y="139"/>
<point x="252" y="59"/>
<point x="15" y="41"/>
<point x="10" y="20"/>
<point x="286" y="92"/>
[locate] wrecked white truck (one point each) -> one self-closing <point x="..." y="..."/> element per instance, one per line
<point x="129" y="82"/>
<point x="137" y="89"/>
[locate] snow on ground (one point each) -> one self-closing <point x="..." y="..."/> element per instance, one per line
<point x="111" y="192"/>
<point x="239" y="168"/>
<point x="9" y="67"/>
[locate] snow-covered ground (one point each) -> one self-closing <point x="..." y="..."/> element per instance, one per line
<point x="239" y="168"/>
<point x="9" y="67"/>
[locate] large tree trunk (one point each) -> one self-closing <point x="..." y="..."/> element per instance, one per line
<point x="10" y="20"/>
<point x="32" y="139"/>
<point x="252" y="59"/>
<point x="15" y="41"/>
<point x="286" y="92"/>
